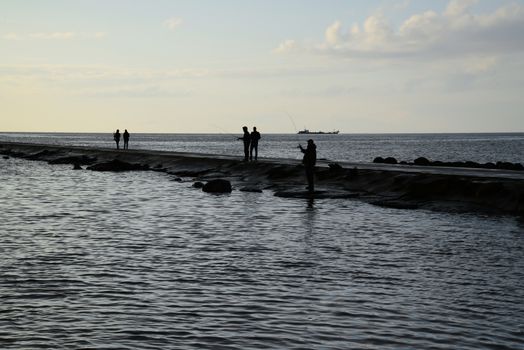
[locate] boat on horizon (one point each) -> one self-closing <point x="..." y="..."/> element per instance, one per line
<point x="306" y="131"/>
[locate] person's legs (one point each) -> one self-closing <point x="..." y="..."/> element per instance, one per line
<point x="310" y="178"/>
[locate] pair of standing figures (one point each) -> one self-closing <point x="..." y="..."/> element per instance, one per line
<point x="250" y="143"/>
<point x="116" y="137"/>
<point x="309" y="160"/>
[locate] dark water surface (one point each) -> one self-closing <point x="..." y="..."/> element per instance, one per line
<point x="482" y="148"/>
<point x="137" y="261"/>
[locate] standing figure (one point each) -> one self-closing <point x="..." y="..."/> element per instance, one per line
<point x="116" y="137"/>
<point x="255" y="136"/>
<point x="309" y="161"/>
<point x="247" y="139"/>
<point x="126" y="139"/>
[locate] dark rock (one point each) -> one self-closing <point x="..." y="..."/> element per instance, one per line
<point x="282" y="171"/>
<point x="425" y="187"/>
<point x="421" y="161"/>
<point x="177" y="179"/>
<point x="456" y="164"/>
<point x="117" y="165"/>
<point x="470" y="164"/>
<point x="390" y="160"/>
<point x="396" y="204"/>
<point x="198" y="184"/>
<point x="6" y="157"/>
<point x="77" y="167"/>
<point x="489" y="189"/>
<point x="509" y="166"/>
<point x="192" y="173"/>
<point x="217" y="186"/>
<point x="352" y="173"/>
<point x="251" y="189"/>
<point x="83" y="159"/>
<point x="378" y="160"/>
<point x="335" y="167"/>
<point x="40" y="155"/>
<point x="316" y="194"/>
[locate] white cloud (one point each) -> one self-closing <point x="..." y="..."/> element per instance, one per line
<point x="173" y="23"/>
<point x="333" y="35"/>
<point x="287" y="46"/>
<point x="455" y="32"/>
<point x="458" y="7"/>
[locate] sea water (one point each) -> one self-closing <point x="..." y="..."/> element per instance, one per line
<point x="134" y="260"/>
<point x="508" y="147"/>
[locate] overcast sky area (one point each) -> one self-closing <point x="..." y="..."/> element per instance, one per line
<point x="213" y="66"/>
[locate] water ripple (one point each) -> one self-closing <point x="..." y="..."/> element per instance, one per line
<point x="135" y="261"/>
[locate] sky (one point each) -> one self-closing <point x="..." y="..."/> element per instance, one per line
<point x="207" y="66"/>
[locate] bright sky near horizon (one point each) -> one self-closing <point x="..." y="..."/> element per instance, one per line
<point x="212" y="66"/>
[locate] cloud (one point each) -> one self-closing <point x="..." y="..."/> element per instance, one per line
<point x="458" y="7"/>
<point x="54" y="36"/>
<point x="173" y="23"/>
<point x="287" y="46"/>
<point x="455" y="32"/>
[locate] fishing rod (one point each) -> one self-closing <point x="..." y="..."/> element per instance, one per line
<point x="294" y="127"/>
<point x="224" y="131"/>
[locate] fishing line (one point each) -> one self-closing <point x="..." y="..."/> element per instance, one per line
<point x="294" y="127"/>
<point x="292" y="122"/>
<point x="224" y="131"/>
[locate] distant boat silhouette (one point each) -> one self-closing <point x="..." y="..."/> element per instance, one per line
<point x="306" y="131"/>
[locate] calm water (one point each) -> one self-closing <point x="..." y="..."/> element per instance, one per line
<point x="343" y="147"/>
<point x="137" y="261"/>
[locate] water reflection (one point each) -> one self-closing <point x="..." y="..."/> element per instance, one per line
<point x="168" y="266"/>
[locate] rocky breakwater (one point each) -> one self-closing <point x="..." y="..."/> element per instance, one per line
<point x="390" y="184"/>
<point x="423" y="161"/>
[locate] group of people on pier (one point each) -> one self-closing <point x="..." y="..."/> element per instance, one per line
<point x="309" y="160"/>
<point x="116" y="137"/>
<point x="250" y="141"/>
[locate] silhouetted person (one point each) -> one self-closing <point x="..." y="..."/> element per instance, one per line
<point x="309" y="161"/>
<point x="116" y="137"/>
<point x="247" y="139"/>
<point x="255" y="136"/>
<point x="126" y="139"/>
